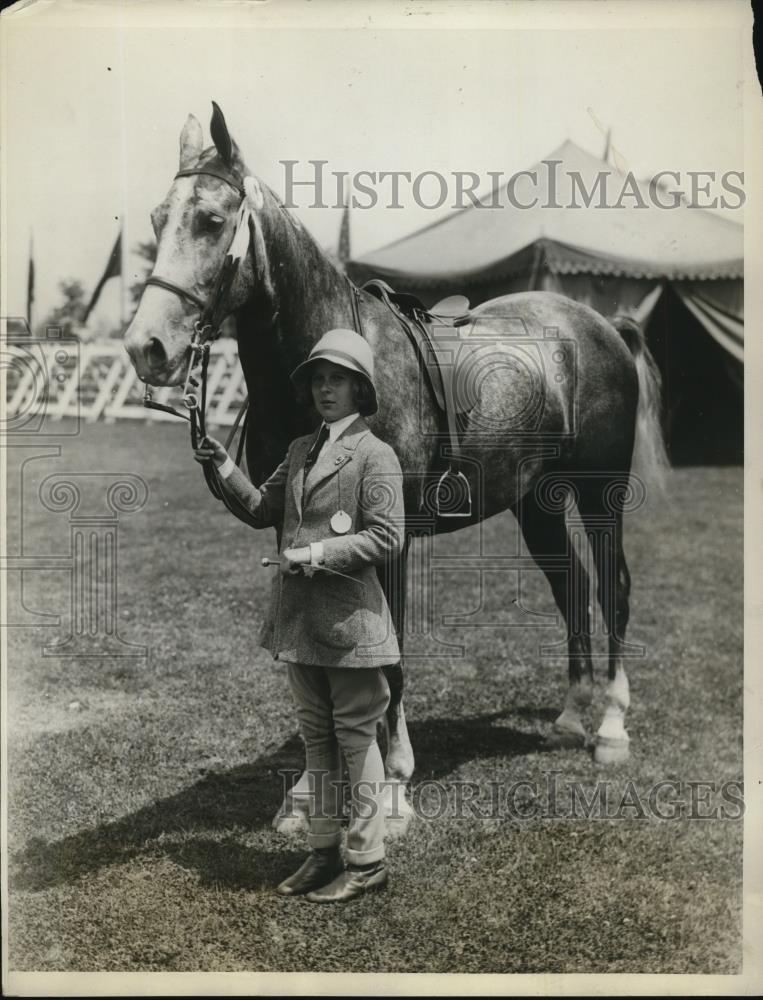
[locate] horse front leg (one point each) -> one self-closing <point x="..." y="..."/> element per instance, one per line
<point x="399" y="762"/>
<point x="293" y="817"/>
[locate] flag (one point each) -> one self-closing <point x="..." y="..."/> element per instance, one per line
<point x="343" y="248"/>
<point x="113" y="270"/>
<point x="30" y="284"/>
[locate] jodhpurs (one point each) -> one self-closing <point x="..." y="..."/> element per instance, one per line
<point x="338" y="709"/>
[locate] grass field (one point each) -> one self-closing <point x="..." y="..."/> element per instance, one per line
<point x="141" y="790"/>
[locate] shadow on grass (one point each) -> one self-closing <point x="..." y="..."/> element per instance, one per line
<point x="193" y="827"/>
<point x="442" y="745"/>
<point x="537" y="713"/>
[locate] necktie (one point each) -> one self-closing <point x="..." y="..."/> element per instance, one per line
<point x="312" y="455"/>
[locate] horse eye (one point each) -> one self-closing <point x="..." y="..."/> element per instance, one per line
<point x="213" y="223"/>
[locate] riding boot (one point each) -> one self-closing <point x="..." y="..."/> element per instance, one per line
<point x="354" y="881"/>
<point x="320" y="867"/>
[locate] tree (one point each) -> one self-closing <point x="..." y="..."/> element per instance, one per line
<point x="68" y="315"/>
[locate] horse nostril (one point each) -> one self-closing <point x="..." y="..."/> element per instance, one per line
<point x="156" y="356"/>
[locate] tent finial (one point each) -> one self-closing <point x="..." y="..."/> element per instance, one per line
<point x="343" y="246"/>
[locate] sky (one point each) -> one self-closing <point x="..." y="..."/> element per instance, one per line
<point x="95" y="96"/>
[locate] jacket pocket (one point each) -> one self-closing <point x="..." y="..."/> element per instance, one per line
<point x="336" y="620"/>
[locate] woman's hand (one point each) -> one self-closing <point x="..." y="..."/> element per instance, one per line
<point x="292" y="560"/>
<point x="210" y="449"/>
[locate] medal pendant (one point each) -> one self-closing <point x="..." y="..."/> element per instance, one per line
<point x="341" y="522"/>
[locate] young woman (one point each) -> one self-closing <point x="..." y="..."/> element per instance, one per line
<point x="338" y="494"/>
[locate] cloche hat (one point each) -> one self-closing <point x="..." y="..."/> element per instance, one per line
<point x="347" y="349"/>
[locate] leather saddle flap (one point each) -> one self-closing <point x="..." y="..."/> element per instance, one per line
<point x="452" y="360"/>
<point x="441" y="335"/>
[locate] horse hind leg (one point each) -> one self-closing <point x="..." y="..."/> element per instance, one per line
<point x="545" y="532"/>
<point x="603" y="514"/>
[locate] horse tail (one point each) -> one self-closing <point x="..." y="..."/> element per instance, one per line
<point x="650" y="460"/>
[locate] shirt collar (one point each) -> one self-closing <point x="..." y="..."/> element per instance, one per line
<point x="336" y="427"/>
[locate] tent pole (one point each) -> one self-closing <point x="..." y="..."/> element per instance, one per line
<point x="536" y="271"/>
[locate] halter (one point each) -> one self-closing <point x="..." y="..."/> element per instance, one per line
<point x="207" y="329"/>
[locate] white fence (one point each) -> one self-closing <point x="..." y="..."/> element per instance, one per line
<point x="96" y="381"/>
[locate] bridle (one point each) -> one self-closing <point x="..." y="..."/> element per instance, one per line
<point x="206" y="329"/>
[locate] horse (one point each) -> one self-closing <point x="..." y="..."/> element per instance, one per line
<point x="552" y="422"/>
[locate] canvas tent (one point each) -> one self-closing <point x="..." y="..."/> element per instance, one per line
<point x="677" y="270"/>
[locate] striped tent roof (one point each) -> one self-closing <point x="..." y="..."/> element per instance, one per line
<point x="476" y="244"/>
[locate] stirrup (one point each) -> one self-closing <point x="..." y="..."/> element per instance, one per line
<point x="458" y="497"/>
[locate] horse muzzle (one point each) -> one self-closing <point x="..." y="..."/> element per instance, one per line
<point x="154" y="359"/>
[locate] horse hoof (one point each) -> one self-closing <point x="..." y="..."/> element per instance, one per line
<point x="609" y="751"/>
<point x="565" y="739"/>
<point x="293" y="825"/>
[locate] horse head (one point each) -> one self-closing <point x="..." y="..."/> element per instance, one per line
<point x="195" y="226"/>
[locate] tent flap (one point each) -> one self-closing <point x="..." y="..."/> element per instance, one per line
<point x="717" y="308"/>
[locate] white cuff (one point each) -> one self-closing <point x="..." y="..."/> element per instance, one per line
<point x="316" y="553"/>
<point x="224" y="470"/>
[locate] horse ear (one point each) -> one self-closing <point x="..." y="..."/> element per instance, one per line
<point x="190" y="142"/>
<point x="221" y="136"/>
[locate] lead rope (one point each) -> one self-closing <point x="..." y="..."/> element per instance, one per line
<point x="211" y="475"/>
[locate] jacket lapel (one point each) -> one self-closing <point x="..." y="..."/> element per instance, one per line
<point x="335" y="456"/>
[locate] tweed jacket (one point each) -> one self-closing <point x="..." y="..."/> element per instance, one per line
<point x="320" y="618"/>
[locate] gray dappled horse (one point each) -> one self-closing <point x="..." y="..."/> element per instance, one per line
<point x="551" y="422"/>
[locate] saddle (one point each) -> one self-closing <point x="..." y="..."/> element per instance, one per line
<point x="434" y="333"/>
